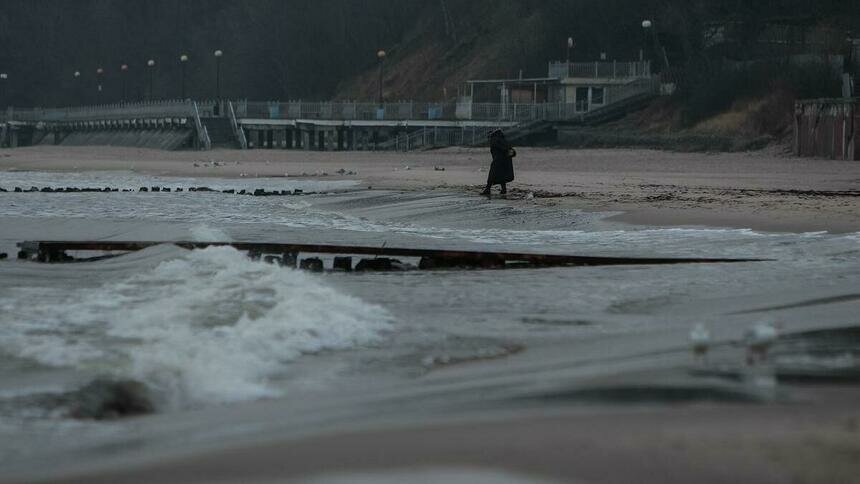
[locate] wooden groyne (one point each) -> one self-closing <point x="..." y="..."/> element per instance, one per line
<point x="828" y="128"/>
<point x="377" y="258"/>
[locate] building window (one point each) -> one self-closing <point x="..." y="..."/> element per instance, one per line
<point x="598" y="95"/>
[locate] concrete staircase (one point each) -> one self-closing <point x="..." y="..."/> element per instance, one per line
<point x="160" y="139"/>
<point x="541" y="131"/>
<point x="615" y="111"/>
<point x="220" y="132"/>
<point x="526" y="133"/>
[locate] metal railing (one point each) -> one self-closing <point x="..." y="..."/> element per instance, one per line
<point x="437" y="137"/>
<point x="202" y="132"/>
<point x="452" y="111"/>
<point x="348" y="111"/>
<point x="109" y="112"/>
<point x="344" y="110"/>
<point x="600" y="70"/>
<point x="238" y="132"/>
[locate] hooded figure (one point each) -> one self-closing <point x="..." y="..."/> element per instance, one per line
<point x="502" y="169"/>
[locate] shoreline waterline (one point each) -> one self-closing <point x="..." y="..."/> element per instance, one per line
<point x="762" y="190"/>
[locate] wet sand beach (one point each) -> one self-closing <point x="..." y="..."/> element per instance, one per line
<point x="761" y="190"/>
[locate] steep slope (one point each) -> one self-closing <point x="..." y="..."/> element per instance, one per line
<point x="485" y="40"/>
<point x="459" y="40"/>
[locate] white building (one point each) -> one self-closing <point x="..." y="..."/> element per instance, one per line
<point x="580" y="87"/>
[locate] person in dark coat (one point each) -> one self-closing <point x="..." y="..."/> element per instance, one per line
<point x="502" y="168"/>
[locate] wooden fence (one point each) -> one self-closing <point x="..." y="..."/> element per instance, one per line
<point x="828" y="128"/>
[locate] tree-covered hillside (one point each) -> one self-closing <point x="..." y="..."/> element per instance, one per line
<point x="273" y="49"/>
<point x="317" y="49"/>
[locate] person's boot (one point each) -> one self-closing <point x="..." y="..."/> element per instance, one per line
<point x="486" y="192"/>
<point x="504" y="190"/>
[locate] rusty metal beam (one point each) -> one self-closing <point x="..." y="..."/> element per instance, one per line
<point x="431" y="258"/>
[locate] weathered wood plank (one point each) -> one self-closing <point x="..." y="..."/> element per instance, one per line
<point x="434" y="257"/>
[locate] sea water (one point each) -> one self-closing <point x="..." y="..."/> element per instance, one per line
<point x="212" y="329"/>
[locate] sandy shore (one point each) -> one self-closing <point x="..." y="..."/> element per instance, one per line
<point x="764" y="191"/>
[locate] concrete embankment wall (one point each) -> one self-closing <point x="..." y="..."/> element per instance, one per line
<point x="611" y="137"/>
<point x="167" y="139"/>
<point x="828" y="128"/>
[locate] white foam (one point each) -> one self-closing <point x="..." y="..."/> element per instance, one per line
<point x="205" y="233"/>
<point x="210" y="326"/>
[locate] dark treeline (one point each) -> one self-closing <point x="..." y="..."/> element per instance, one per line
<point x="316" y="49"/>
<point x="273" y="49"/>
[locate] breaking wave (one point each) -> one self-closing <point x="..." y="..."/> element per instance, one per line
<point x="206" y="233"/>
<point x="210" y="326"/>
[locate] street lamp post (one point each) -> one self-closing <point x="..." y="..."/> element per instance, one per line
<point x="646" y="27"/>
<point x="218" y="55"/>
<point x="123" y="70"/>
<point x="381" y="56"/>
<point x="4" y="79"/>
<point x="183" y="59"/>
<point x="99" y="73"/>
<point x="659" y="51"/>
<point x="77" y="77"/>
<point x="570" y="45"/>
<point x="151" y="65"/>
